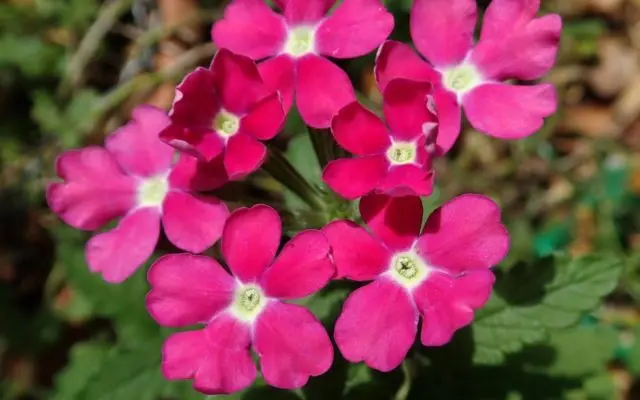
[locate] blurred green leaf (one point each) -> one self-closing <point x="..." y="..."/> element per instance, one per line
<point x="532" y="300"/>
<point x="67" y="123"/>
<point x="124" y="303"/>
<point x="564" y="353"/>
<point x="84" y="365"/>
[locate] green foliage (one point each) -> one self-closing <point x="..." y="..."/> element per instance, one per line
<point x="531" y="300"/>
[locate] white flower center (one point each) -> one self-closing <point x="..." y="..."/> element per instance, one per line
<point x="400" y="153"/>
<point x="248" y="302"/>
<point x="152" y="191"/>
<point x="226" y="124"/>
<point x="301" y="41"/>
<point x="408" y="269"/>
<point x="462" y="78"/>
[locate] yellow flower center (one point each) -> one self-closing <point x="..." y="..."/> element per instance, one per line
<point x="300" y="41"/>
<point x="402" y="153"/>
<point x="462" y="78"/>
<point x="152" y="191"/>
<point x="408" y="269"/>
<point x="248" y="303"/>
<point x="226" y="124"/>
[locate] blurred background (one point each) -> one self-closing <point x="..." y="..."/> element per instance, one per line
<point x="72" y="70"/>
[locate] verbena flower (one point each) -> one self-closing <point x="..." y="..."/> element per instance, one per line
<point x="134" y="177"/>
<point x="513" y="45"/>
<point x="442" y="274"/>
<point x="225" y="111"/>
<point x="245" y="309"/>
<point x="393" y="159"/>
<point x="297" y="43"/>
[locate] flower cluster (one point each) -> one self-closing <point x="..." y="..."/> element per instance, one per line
<point x="156" y="169"/>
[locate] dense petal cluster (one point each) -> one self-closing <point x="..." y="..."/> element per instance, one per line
<point x="153" y="170"/>
<point x="393" y="159"/>
<point x="245" y="310"/>
<point x="442" y="274"/>
<point x="513" y="44"/>
<point x="296" y="43"/>
<point x="225" y="111"/>
<point x="135" y="176"/>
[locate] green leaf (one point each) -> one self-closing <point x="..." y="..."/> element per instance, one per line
<point x="128" y="374"/>
<point x="84" y="365"/>
<point x="124" y="303"/>
<point x="564" y="353"/>
<point x="531" y="300"/>
<point x="303" y="158"/>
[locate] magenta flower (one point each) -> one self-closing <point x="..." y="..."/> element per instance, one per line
<point x="246" y="309"/>
<point x="297" y="42"/>
<point x="135" y="177"/>
<point x="225" y="110"/>
<point x="394" y="159"/>
<point x="513" y="45"/>
<point x="442" y="274"/>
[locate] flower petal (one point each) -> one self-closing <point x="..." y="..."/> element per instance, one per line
<point x="464" y="234"/>
<point x="395" y="220"/>
<point x="192" y="222"/>
<point x="237" y="82"/>
<point x="193" y="174"/>
<point x="357" y="255"/>
<point x="137" y="146"/>
<point x="405" y="108"/>
<point x="201" y="143"/>
<point x="408" y="180"/>
<point x="118" y="253"/>
<point x="442" y="30"/>
<point x="250" y="28"/>
<point x="217" y="358"/>
<point x="265" y="119"/>
<point x="196" y="101"/>
<point x="188" y="289"/>
<point x="250" y="240"/>
<point x="279" y="74"/>
<point x="449" y="119"/>
<point x="292" y="345"/>
<point x="360" y="131"/>
<point x="244" y="155"/>
<point x="399" y="60"/>
<point x="354" y="29"/>
<point x="509" y="111"/>
<point x="447" y="303"/>
<point x="305" y="261"/>
<point x="300" y="12"/>
<point x="95" y="192"/>
<point x="378" y="325"/>
<point x="355" y="177"/>
<point x="323" y="89"/>
<point x="515" y="44"/>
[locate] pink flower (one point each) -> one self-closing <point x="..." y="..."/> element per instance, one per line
<point x="442" y="274"/>
<point x="225" y="110"/>
<point x="246" y="309"/>
<point x="297" y="42"/>
<point x="394" y="160"/>
<point x="513" y="45"/>
<point x="134" y="177"/>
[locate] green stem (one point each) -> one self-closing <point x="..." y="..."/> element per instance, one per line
<point x="323" y="145"/>
<point x="408" y="372"/>
<point x="282" y="171"/>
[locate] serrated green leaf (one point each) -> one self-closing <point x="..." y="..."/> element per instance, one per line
<point x="532" y="300"/>
<point x="84" y="365"/>
<point x="129" y="374"/>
